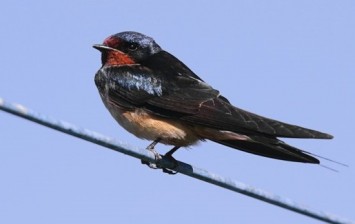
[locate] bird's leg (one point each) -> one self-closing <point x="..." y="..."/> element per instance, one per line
<point x="151" y="148"/>
<point x="169" y="155"/>
<point x="156" y="154"/>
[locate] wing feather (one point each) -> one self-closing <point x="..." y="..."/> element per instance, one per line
<point x="185" y="96"/>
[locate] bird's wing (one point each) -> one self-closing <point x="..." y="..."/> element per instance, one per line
<point x="191" y="100"/>
<point x="225" y="116"/>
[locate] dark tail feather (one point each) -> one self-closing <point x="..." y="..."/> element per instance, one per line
<point x="272" y="148"/>
<point x="325" y="158"/>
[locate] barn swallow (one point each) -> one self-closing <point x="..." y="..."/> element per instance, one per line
<point x="155" y="96"/>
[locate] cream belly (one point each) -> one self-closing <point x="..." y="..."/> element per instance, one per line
<point x="151" y="127"/>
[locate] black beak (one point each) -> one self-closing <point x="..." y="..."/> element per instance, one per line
<point x="102" y="47"/>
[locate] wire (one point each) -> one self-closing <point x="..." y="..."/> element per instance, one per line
<point x="183" y="168"/>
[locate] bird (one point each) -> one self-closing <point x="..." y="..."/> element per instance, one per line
<point x="156" y="97"/>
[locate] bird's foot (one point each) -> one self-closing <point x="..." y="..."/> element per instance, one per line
<point x="157" y="164"/>
<point x="175" y="163"/>
<point x="156" y="155"/>
<point x="158" y="159"/>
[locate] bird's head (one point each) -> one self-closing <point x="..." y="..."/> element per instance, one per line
<point x="127" y="48"/>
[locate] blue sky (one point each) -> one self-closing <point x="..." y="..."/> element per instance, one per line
<point x="288" y="60"/>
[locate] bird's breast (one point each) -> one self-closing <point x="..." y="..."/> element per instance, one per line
<point x="151" y="127"/>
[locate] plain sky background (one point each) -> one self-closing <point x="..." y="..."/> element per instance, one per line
<point x="289" y="60"/>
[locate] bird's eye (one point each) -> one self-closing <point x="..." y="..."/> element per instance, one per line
<point x="132" y="47"/>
